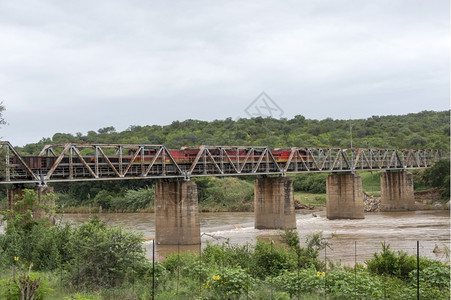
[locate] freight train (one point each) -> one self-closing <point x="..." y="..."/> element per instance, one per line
<point x="181" y="156"/>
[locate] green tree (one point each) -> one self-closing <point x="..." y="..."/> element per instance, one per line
<point x="439" y="176"/>
<point x="103" y="256"/>
<point x="24" y="233"/>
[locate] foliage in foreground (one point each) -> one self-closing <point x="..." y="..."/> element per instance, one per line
<point x="92" y="255"/>
<point x="26" y="285"/>
<point x="108" y="263"/>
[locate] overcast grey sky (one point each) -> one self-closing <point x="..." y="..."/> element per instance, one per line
<point x="74" y="66"/>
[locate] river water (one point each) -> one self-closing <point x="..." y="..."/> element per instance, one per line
<point x="352" y="241"/>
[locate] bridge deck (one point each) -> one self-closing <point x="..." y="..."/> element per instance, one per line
<point x="84" y="162"/>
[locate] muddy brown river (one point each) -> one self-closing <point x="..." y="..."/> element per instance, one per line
<point x="353" y="240"/>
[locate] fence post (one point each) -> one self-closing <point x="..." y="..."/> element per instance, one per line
<point x="418" y="270"/>
<point x="178" y="268"/>
<point x="200" y="272"/>
<point x="299" y="262"/>
<point x="153" y="269"/>
<point x="386" y="272"/>
<point x="325" y="272"/>
<point x="272" y="268"/>
<point x="355" y="269"/>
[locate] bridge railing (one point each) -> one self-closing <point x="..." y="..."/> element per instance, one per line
<point x="83" y="162"/>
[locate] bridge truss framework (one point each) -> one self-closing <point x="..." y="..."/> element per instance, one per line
<point x="85" y="162"/>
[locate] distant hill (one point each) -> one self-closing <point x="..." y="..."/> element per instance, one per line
<point x="427" y="129"/>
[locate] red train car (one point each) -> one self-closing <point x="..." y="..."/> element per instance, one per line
<point x="180" y="156"/>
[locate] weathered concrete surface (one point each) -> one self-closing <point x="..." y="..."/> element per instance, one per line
<point x="397" y="191"/>
<point x="344" y="197"/>
<point x="274" y="203"/>
<point x="176" y="213"/>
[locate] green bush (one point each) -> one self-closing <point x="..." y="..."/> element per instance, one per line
<point x="103" y="199"/>
<point x="104" y="256"/>
<point x="228" y="282"/>
<point x="27" y="285"/>
<point x="91" y="255"/>
<point x="140" y="199"/>
<point x="270" y="259"/>
<point x="228" y="254"/>
<point x="306" y="257"/>
<point x="302" y="281"/>
<point x="391" y="263"/>
<point x="435" y="275"/>
<point x="27" y="238"/>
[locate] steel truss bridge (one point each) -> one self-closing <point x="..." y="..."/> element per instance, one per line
<point x="85" y="162"/>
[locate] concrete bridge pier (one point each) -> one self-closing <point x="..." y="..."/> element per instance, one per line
<point x="274" y="203"/>
<point x="177" y="213"/>
<point x="397" y="191"/>
<point x="344" y="197"/>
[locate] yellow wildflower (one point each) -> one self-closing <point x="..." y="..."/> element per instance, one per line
<point x="320" y="274"/>
<point x="16" y="258"/>
<point x="216" y="277"/>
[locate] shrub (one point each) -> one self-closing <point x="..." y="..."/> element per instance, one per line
<point x="104" y="256"/>
<point x="391" y="263"/>
<point x="435" y="275"/>
<point x="306" y="257"/>
<point x="27" y="285"/>
<point x="270" y="259"/>
<point x="91" y="255"/>
<point x="139" y="199"/>
<point x="228" y="255"/>
<point x="104" y="199"/>
<point x="26" y="237"/>
<point x="228" y="282"/>
<point x="301" y="281"/>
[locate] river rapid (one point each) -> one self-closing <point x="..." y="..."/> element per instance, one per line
<point x="351" y="240"/>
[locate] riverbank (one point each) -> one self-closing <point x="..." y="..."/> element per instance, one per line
<point x="424" y="200"/>
<point x="302" y="200"/>
<point x="430" y="227"/>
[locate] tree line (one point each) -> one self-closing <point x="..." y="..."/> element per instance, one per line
<point x="426" y="129"/>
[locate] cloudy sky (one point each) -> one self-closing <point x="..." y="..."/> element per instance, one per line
<point x="74" y="66"/>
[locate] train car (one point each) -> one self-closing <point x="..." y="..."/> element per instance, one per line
<point x="281" y="155"/>
<point x="35" y="162"/>
<point x="184" y="157"/>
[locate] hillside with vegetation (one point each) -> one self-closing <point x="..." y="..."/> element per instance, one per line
<point x="427" y="129"/>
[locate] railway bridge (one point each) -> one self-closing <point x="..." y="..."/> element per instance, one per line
<point x="176" y="201"/>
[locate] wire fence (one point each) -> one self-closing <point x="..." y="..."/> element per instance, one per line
<point x="402" y="274"/>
